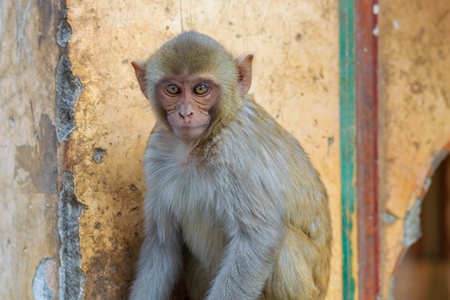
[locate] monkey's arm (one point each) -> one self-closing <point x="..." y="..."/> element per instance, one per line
<point x="255" y="233"/>
<point x="159" y="260"/>
<point x="246" y="265"/>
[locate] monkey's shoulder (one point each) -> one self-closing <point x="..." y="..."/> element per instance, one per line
<point x="255" y="128"/>
<point x="257" y="133"/>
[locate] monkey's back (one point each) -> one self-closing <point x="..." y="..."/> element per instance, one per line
<point x="302" y="269"/>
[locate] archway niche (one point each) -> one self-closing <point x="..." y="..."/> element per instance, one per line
<point x="424" y="270"/>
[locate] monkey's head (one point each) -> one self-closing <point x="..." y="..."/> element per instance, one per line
<point x="194" y="85"/>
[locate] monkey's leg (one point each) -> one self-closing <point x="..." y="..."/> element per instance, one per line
<point x="295" y="275"/>
<point x="159" y="263"/>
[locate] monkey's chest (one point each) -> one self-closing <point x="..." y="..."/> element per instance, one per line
<point x="194" y="205"/>
<point x="189" y="190"/>
<point x="204" y="239"/>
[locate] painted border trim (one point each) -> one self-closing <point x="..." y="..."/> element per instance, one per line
<point x="347" y="132"/>
<point x="366" y="51"/>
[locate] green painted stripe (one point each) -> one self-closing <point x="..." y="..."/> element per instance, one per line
<point x="347" y="123"/>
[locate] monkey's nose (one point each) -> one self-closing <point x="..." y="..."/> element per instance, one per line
<point x="185" y="114"/>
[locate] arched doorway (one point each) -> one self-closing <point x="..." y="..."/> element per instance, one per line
<point x="424" y="272"/>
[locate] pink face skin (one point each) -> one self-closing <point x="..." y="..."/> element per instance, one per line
<point x="187" y="101"/>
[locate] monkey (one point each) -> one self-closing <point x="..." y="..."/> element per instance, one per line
<point x="233" y="204"/>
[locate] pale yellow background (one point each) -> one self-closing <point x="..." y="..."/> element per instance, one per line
<point x="295" y="78"/>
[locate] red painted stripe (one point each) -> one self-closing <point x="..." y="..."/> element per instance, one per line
<point x="367" y="149"/>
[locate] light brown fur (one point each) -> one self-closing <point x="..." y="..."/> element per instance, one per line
<point x="235" y="208"/>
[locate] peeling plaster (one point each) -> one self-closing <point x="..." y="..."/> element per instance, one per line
<point x="71" y="276"/>
<point x="427" y="183"/>
<point x="98" y="154"/>
<point x="68" y="90"/>
<point x="438" y="159"/>
<point x="375" y="31"/>
<point x="376" y="9"/>
<point x="45" y="280"/>
<point x="64" y="33"/>
<point x="412" y="231"/>
<point x="388" y="217"/>
<point x="392" y="288"/>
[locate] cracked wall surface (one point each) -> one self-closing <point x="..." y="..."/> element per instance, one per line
<point x="29" y="158"/>
<point x="296" y="79"/>
<point x="71" y="276"/>
<point x="71" y="112"/>
<point x="74" y="125"/>
<point x="414" y="59"/>
<point x="68" y="90"/>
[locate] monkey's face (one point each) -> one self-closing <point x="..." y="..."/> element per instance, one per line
<point x="187" y="101"/>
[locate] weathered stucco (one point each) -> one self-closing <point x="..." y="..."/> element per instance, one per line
<point x="29" y="241"/>
<point x="71" y="113"/>
<point x="414" y="64"/>
<point x="295" y="78"/>
<point x="86" y="97"/>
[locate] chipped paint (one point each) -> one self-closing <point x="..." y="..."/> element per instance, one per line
<point x="426" y="185"/>
<point x="438" y="158"/>
<point x="71" y="276"/>
<point x="68" y="90"/>
<point x="376" y="9"/>
<point x="412" y="231"/>
<point x="375" y="31"/>
<point x="388" y="217"/>
<point x="64" y="32"/>
<point x="98" y="154"/>
<point x="392" y="288"/>
<point x="45" y="280"/>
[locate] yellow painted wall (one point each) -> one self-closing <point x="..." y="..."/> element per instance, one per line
<point x="295" y="78"/>
<point x="414" y="84"/>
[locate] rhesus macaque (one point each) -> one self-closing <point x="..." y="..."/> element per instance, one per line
<point x="233" y="206"/>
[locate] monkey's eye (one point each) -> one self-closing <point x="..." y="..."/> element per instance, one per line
<point x="201" y="89"/>
<point x="172" y="89"/>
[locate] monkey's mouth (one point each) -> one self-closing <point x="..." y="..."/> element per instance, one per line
<point x="187" y="127"/>
<point x="189" y="132"/>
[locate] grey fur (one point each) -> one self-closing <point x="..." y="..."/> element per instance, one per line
<point x="227" y="204"/>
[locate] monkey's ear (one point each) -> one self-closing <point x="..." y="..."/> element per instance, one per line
<point x="244" y="66"/>
<point x="140" y="68"/>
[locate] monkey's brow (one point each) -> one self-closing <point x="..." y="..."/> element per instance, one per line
<point x="194" y="78"/>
